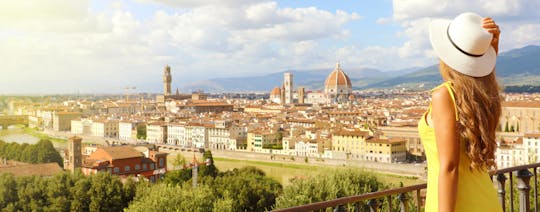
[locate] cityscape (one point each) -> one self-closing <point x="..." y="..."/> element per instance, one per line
<point x="293" y="137"/>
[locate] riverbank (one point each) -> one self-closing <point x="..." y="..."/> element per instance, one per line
<point x="21" y="134"/>
<point x="284" y="171"/>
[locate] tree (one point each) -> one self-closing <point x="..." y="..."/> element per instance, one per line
<point x="252" y="189"/>
<point x="177" y="177"/>
<point x="79" y="191"/>
<point x="327" y="186"/>
<point x="141" y="131"/>
<point x="178" y="198"/>
<point x="58" y="192"/>
<point x="41" y="152"/>
<point x="209" y="169"/>
<point x="32" y="193"/>
<point x="46" y="153"/>
<point x="8" y="190"/>
<point x="105" y="193"/>
<point x="179" y="161"/>
<point x="506" y="127"/>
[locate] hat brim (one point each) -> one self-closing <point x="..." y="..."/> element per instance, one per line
<point x="453" y="57"/>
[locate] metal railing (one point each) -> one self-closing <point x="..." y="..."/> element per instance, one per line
<point x="374" y="200"/>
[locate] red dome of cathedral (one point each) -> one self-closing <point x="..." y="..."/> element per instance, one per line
<point x="338" y="82"/>
<point x="275" y="92"/>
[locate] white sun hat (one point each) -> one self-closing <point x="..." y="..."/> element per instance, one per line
<point x="463" y="44"/>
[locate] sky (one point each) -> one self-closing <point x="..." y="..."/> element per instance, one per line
<point x="102" y="46"/>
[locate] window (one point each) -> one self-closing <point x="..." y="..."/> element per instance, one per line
<point x="144" y="167"/>
<point x="137" y="167"/>
<point x="152" y="166"/>
<point x="127" y="168"/>
<point x="161" y="161"/>
<point x="116" y="169"/>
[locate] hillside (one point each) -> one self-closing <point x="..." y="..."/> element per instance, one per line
<point x="312" y="79"/>
<point x="517" y="67"/>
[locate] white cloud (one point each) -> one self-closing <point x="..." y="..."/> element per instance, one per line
<point x="96" y="51"/>
<point x="61" y="46"/>
<point x="517" y="19"/>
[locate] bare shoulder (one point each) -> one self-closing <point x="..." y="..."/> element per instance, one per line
<point x="442" y="101"/>
<point x="441" y="95"/>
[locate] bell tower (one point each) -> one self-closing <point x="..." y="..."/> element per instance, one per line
<point x="167" y="81"/>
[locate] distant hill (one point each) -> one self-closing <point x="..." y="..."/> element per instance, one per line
<point x="312" y="79"/>
<point x="516" y="68"/>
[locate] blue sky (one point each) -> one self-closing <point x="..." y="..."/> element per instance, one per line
<point x="101" y="46"/>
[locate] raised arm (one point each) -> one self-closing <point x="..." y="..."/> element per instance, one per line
<point x="444" y="122"/>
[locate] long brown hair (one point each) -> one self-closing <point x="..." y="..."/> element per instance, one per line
<point x="479" y="108"/>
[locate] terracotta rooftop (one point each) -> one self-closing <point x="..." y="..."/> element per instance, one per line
<point x="534" y="104"/>
<point x="337" y="78"/>
<point x="351" y="133"/>
<point x="119" y="152"/>
<point x="44" y="169"/>
<point x="386" y="141"/>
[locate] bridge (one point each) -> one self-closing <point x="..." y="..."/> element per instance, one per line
<point x="7" y="120"/>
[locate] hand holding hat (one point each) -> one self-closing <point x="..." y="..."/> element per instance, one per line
<point x="466" y="43"/>
<point x="492" y="28"/>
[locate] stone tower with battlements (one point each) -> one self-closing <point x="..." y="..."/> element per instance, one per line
<point x="167" y="78"/>
<point x="288" y="87"/>
<point x="73" y="158"/>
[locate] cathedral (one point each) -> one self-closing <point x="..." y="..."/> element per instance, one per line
<point x="337" y="89"/>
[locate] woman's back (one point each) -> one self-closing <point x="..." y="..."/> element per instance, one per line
<point x="475" y="190"/>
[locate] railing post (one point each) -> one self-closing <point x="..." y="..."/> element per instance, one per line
<point x="523" y="186"/>
<point x="340" y="208"/>
<point x="403" y="202"/>
<point x="501" y="180"/>
<point x="373" y="205"/>
<point x="357" y="206"/>
<point x="389" y="198"/>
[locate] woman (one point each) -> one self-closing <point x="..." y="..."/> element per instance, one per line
<point x="458" y="130"/>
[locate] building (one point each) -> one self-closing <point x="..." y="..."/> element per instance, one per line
<point x="81" y="126"/>
<point x="218" y="137"/>
<point x="386" y="150"/>
<point x="337" y="86"/>
<point x="288" y="87"/>
<point x="156" y="133"/>
<point x="224" y="135"/>
<point x="127" y="130"/>
<point x="105" y="128"/>
<point x="199" y="135"/>
<point x="350" y="142"/>
<point x="127" y="161"/>
<point x="414" y="145"/>
<point x="301" y="95"/>
<point x="73" y="154"/>
<point x="512" y="152"/>
<point x="209" y="107"/>
<point x="275" y="95"/>
<point x="176" y="134"/>
<point x="62" y="120"/>
<point x="260" y="139"/>
<point x="531" y="146"/>
<point x="520" y="117"/>
<point x="167" y="78"/>
<point x="307" y="148"/>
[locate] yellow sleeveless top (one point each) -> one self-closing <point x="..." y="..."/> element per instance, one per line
<point x="475" y="190"/>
